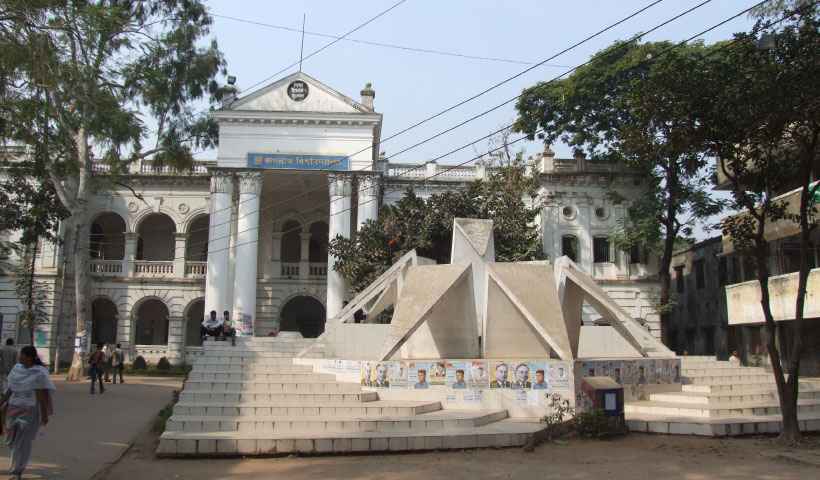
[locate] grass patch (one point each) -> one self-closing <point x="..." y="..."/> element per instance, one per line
<point x="162" y="417"/>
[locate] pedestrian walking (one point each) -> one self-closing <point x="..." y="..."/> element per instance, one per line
<point x="96" y="363"/>
<point x="107" y="364"/>
<point x="27" y="403"/>
<point x="118" y="363"/>
<point x="8" y="359"/>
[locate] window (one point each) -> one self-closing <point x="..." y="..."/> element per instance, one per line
<point x="722" y="271"/>
<point x="600" y="249"/>
<point x="679" y="278"/>
<point x="568" y="212"/>
<point x="635" y="254"/>
<point x="569" y="247"/>
<point x="700" y="274"/>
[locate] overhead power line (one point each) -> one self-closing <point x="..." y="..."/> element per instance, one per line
<point x="431" y="51"/>
<point x="328" y="45"/>
<point x="425" y="179"/>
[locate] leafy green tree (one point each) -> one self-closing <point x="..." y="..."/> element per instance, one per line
<point x="90" y="79"/>
<point x="761" y="112"/>
<point x="508" y="196"/>
<point x="630" y="105"/>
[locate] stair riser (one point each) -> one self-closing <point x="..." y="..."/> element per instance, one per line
<point x="715" y="412"/>
<point x="305" y="411"/>
<point x="244" y="363"/>
<point x="717" y="372"/>
<point x="230" y="447"/>
<point x="324" y="426"/>
<point x="737" y="399"/>
<point x="307" y="399"/>
<point x="727" y="380"/>
<point x="261" y="377"/>
<point x="265" y="387"/>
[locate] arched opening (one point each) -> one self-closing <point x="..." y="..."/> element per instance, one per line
<point x="156" y="238"/>
<point x="196" y="248"/>
<point x="196" y="313"/>
<point x="151" y="323"/>
<point x="318" y="242"/>
<point x="569" y="247"/>
<point x="291" y="243"/>
<point x="303" y="314"/>
<point x="103" y="321"/>
<point x="107" y="238"/>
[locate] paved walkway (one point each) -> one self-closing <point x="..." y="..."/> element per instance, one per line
<point x="88" y="432"/>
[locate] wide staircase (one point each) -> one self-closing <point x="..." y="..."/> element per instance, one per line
<point x="718" y="398"/>
<point x="252" y="399"/>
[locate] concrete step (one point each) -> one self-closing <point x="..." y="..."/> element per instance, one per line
<point x="717" y="427"/>
<point x="246" y="354"/>
<point x="722" y="371"/>
<point x="378" y="408"/>
<point x="250" y="367"/>
<point x="241" y="375"/>
<point x="263" y="396"/>
<point x="296" y="386"/>
<point x="763" y="378"/>
<point x="436" y="421"/>
<point x="768" y="407"/>
<point x="737" y="398"/>
<point x="506" y="433"/>
<point x="244" y="361"/>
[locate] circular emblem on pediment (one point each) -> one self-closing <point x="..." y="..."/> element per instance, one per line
<point x="298" y="90"/>
<point x="133" y="207"/>
<point x="183" y="208"/>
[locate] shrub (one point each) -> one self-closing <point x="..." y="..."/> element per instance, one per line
<point x="163" y="364"/>
<point x="139" y="363"/>
<point x="561" y="413"/>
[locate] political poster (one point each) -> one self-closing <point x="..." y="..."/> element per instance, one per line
<point x="418" y="375"/>
<point x="479" y="376"/>
<point x="559" y="375"/>
<point x="377" y="374"/>
<point x="457" y="374"/>
<point x="438" y="373"/>
<point x="500" y="372"/>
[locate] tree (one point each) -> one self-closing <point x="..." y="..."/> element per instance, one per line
<point x="88" y="78"/>
<point x="761" y="111"/>
<point x="508" y="196"/>
<point x="630" y="105"/>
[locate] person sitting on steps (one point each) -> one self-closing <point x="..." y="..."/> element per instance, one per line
<point x="211" y="326"/>
<point x="227" y="330"/>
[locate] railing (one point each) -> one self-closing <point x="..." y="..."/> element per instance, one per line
<point x="105" y="267"/>
<point x="290" y="269"/>
<point x="196" y="269"/>
<point x="317" y="269"/>
<point x="147" y="268"/>
<point x="148" y="168"/>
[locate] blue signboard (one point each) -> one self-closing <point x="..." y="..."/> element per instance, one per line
<point x="298" y="162"/>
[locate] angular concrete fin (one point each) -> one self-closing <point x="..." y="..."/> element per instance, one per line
<point x="376" y="289"/>
<point x="622" y="322"/>
<point x="530" y="291"/>
<point x="434" y="293"/>
<point x="476" y="233"/>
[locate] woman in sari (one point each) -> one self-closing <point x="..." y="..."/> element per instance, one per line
<point x="27" y="403"/>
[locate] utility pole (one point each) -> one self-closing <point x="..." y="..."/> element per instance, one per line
<point x="60" y="304"/>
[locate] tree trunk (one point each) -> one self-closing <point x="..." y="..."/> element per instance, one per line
<point x="31" y="316"/>
<point x="79" y="214"/>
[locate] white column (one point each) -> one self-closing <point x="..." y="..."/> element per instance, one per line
<point x="180" y="241"/>
<point x="247" y="248"/>
<point x="304" y="259"/>
<point x="368" y="207"/>
<point x="131" y="239"/>
<point x="219" y="232"/>
<point x="339" y="224"/>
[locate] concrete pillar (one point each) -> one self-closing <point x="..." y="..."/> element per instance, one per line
<point x="247" y="247"/>
<point x="339" y="224"/>
<point x="368" y="207"/>
<point x="304" y="259"/>
<point x="276" y="255"/>
<point x="130" y="254"/>
<point x="176" y="340"/>
<point x="180" y="241"/>
<point x="219" y="232"/>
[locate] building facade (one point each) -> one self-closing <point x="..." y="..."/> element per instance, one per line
<point x="298" y="163"/>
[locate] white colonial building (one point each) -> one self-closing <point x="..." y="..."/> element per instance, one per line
<point x="298" y="163"/>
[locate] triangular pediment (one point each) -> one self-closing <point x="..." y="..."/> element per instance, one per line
<point x="287" y="95"/>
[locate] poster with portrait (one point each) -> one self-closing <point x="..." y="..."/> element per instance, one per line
<point x="438" y="373"/>
<point x="479" y="374"/>
<point x="500" y="374"/>
<point x="398" y="375"/>
<point x="539" y="376"/>
<point x="559" y="375"/>
<point x="377" y="374"/>
<point x="418" y="375"/>
<point x="457" y="374"/>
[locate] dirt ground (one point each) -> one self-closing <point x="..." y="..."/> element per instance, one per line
<point x="635" y="457"/>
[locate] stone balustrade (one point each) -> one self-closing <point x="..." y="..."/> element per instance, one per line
<point x="290" y="269"/>
<point x="196" y="269"/>
<point x="145" y="268"/>
<point x="106" y="268"/>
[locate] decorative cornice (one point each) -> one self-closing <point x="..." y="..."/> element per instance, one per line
<point x="368" y="186"/>
<point x="339" y="185"/>
<point x="250" y="183"/>
<point x="221" y="182"/>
